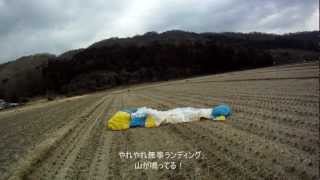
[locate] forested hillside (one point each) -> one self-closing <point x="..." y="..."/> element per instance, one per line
<point x="156" y="57"/>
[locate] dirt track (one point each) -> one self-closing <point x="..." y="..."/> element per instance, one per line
<point x="272" y="134"/>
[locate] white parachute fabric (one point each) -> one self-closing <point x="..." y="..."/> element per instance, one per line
<point x="150" y="118"/>
<point x="177" y="115"/>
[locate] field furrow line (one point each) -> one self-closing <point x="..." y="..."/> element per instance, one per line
<point x="307" y="141"/>
<point x="287" y="119"/>
<point x="43" y="152"/>
<point x="303" y="169"/>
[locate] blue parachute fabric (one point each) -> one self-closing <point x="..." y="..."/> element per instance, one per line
<point x="221" y="110"/>
<point x="138" y="120"/>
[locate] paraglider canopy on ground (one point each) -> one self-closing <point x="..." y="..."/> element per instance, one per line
<point x="149" y="118"/>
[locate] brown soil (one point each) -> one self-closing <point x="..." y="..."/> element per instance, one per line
<point x="272" y="134"/>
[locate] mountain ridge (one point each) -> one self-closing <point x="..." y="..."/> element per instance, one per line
<point x="152" y="56"/>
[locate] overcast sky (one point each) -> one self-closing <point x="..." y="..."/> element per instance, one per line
<point x="55" y="26"/>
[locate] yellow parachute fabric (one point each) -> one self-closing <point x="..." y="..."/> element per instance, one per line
<point x="220" y="118"/>
<point x="150" y="122"/>
<point x="119" y="121"/>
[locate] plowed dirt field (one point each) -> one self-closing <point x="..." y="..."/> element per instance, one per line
<point x="272" y="134"/>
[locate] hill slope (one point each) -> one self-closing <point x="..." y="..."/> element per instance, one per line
<point x="23" y="77"/>
<point x="151" y="57"/>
